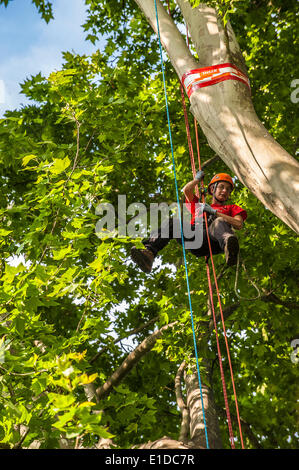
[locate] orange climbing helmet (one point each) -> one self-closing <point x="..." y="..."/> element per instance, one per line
<point x="220" y="177"/>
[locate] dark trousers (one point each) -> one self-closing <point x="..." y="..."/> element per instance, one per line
<point x="195" y="242"/>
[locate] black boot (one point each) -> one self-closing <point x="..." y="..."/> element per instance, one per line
<point x="231" y="250"/>
<point x="143" y="258"/>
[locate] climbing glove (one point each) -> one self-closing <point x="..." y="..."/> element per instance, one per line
<point x="199" y="175"/>
<point x="208" y="209"/>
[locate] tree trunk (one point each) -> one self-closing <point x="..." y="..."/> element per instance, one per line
<point x="225" y="111"/>
<point x="197" y="428"/>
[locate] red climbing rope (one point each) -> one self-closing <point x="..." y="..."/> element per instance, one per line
<point x="232" y="442"/>
<point x="230" y="429"/>
<point x="207" y="265"/>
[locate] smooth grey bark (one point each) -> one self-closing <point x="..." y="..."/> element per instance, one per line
<point x="225" y="111"/>
<point x="197" y="428"/>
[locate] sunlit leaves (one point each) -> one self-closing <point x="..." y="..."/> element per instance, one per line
<point x="97" y="130"/>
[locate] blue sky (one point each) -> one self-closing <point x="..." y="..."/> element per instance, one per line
<point x="28" y="45"/>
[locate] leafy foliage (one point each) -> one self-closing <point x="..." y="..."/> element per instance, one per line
<point x="96" y="130"/>
<point x="44" y="8"/>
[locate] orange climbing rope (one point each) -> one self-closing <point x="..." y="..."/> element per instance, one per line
<point x="211" y="291"/>
<point x="232" y="441"/>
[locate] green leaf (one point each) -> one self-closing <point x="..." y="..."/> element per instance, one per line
<point x="60" y="254"/>
<point x="19" y="323"/>
<point x="61" y="401"/>
<point x="60" y="165"/>
<point x="64" y="419"/>
<point x="4" y="233"/>
<point x="27" y="159"/>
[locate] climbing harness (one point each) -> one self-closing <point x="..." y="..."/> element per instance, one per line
<point x="191" y="81"/>
<point x="180" y="218"/>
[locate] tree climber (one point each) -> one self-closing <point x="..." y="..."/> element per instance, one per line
<point x="222" y="219"/>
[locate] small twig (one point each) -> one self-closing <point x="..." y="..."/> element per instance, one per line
<point x="23" y="374"/>
<point x="90" y="139"/>
<point x="83" y="314"/>
<point x="20" y="442"/>
<point x="78" y="124"/>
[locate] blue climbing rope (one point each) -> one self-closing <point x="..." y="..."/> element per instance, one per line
<point x="180" y="218"/>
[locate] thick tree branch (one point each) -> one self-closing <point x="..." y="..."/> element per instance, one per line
<point x="131" y="360"/>
<point x="214" y="43"/>
<point x="271" y="297"/>
<point x="197" y="427"/>
<point x="225" y="111"/>
<point x="171" y="38"/>
<point x="129" y="333"/>
<point x="210" y="161"/>
<point x="90" y="392"/>
<point x="185" y="424"/>
<point x="164" y="443"/>
<point x="267" y="297"/>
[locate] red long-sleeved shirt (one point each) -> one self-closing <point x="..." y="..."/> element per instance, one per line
<point x="229" y="209"/>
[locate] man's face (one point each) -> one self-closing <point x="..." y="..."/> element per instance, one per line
<point x="223" y="191"/>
